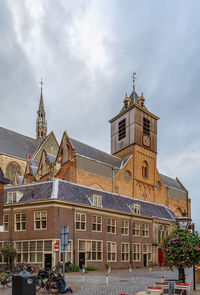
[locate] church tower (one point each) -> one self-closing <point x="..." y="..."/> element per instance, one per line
<point x="41" y="124"/>
<point x="134" y="125"/>
<point x="134" y="134"/>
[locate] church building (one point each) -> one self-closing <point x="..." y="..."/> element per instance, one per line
<point x="117" y="204"/>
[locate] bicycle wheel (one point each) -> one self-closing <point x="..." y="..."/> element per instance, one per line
<point x="55" y="286"/>
<point x="39" y="284"/>
<point x="9" y="281"/>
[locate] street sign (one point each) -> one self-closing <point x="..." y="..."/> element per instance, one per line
<point x="64" y="238"/>
<point x="56" y="247"/>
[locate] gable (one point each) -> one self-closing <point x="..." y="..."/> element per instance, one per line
<point x="50" y="145"/>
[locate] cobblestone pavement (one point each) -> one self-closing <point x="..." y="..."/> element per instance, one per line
<point x="119" y="282"/>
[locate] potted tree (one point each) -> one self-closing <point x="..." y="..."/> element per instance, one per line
<point x="181" y="248"/>
<point x="9" y="254"/>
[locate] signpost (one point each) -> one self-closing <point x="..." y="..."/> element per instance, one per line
<point x="64" y="240"/>
<point x="56" y="247"/>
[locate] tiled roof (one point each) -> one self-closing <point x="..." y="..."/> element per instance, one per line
<point x="64" y="190"/>
<point x="168" y="181"/>
<point x="15" y="144"/>
<point x="93" y="153"/>
<point x="2" y="178"/>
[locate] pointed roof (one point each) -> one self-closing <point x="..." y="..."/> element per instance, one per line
<point x="173" y="183"/>
<point x="41" y="105"/>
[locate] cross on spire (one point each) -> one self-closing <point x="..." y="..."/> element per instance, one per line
<point x="41" y="83"/>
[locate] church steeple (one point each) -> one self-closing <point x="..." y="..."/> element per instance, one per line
<point x="41" y="124"/>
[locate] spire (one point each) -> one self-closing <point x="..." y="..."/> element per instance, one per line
<point x="134" y="78"/>
<point x="41" y="124"/>
<point x="41" y="105"/>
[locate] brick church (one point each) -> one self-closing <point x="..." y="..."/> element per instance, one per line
<point x="118" y="206"/>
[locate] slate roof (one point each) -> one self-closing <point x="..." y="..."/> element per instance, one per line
<point x="15" y="144"/>
<point x="93" y="153"/>
<point x="2" y="178"/>
<point x="64" y="190"/>
<point x="168" y="181"/>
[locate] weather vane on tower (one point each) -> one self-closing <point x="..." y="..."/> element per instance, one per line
<point x="134" y="78"/>
<point x="41" y="83"/>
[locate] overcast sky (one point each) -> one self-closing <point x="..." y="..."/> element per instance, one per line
<point x="86" y="52"/>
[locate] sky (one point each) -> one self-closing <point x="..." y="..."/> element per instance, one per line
<point x="86" y="52"/>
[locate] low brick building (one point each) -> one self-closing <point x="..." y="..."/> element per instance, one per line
<point x="103" y="227"/>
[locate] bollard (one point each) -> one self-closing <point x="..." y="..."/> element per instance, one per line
<point x="83" y="277"/>
<point x="161" y="278"/>
<point x="106" y="278"/>
<point x="134" y="278"/>
<point x="130" y="268"/>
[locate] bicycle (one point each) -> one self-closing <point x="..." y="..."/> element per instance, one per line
<point x="50" y="281"/>
<point x="6" y="279"/>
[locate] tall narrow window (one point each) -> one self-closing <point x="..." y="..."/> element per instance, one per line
<point x="5" y="222"/>
<point x="122" y="129"/>
<point x="146" y="126"/>
<point x="145" y="169"/>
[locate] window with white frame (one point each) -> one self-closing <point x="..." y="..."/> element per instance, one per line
<point x="136" y="252"/>
<point x="11" y="197"/>
<point x="136" y="229"/>
<point x="145" y="230"/>
<point x="96" y="223"/>
<point x="40" y="219"/>
<point x="147" y="249"/>
<point x="80" y="221"/>
<point x="96" y="200"/>
<point x="6" y="222"/>
<point x="125" y="227"/>
<point x="20" y="221"/>
<point x="111" y="225"/>
<point x="111" y="251"/>
<point x="32" y="251"/>
<point x="125" y="252"/>
<point x="93" y="249"/>
<point x="3" y="259"/>
<point x="163" y="231"/>
<point x="135" y="208"/>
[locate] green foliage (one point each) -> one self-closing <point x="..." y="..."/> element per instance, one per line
<point x="8" y="252"/>
<point x="74" y="268"/>
<point x="181" y="248"/>
<point x="90" y="268"/>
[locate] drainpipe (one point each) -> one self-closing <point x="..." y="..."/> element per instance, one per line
<point x="74" y="234"/>
<point x="113" y="179"/>
<point x="11" y="224"/>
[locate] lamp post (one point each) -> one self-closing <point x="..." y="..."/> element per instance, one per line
<point x="184" y="223"/>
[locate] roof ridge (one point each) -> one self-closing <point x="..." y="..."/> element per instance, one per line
<point x="19" y="134"/>
<point x="95" y="148"/>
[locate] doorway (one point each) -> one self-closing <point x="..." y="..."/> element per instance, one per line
<point x="47" y="261"/>
<point x="145" y="260"/>
<point x="81" y="259"/>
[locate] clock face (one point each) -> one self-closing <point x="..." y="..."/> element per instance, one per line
<point x="146" y="140"/>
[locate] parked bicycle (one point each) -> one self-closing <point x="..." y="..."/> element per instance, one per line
<point x="23" y="266"/>
<point x="6" y="279"/>
<point x="49" y="281"/>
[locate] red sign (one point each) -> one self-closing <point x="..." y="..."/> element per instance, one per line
<point x="56" y="246"/>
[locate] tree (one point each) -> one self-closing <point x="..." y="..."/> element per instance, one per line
<point x="181" y="248"/>
<point x="9" y="253"/>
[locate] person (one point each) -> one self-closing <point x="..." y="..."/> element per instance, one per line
<point x="65" y="289"/>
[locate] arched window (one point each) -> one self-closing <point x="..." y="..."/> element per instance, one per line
<point x="145" y="169"/>
<point x="11" y="170"/>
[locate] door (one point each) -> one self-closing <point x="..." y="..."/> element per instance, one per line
<point x="145" y="260"/>
<point x="47" y="261"/>
<point x="81" y="259"/>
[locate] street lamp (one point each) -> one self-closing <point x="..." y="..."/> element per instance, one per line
<point x="183" y="222"/>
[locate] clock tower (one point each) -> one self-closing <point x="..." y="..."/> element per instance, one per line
<point x="134" y="136"/>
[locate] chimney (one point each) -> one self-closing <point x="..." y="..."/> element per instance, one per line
<point x="3" y="181"/>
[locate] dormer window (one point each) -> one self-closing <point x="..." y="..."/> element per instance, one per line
<point x="135" y="208"/>
<point x="13" y="197"/>
<point x="122" y="129"/>
<point x="96" y="200"/>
